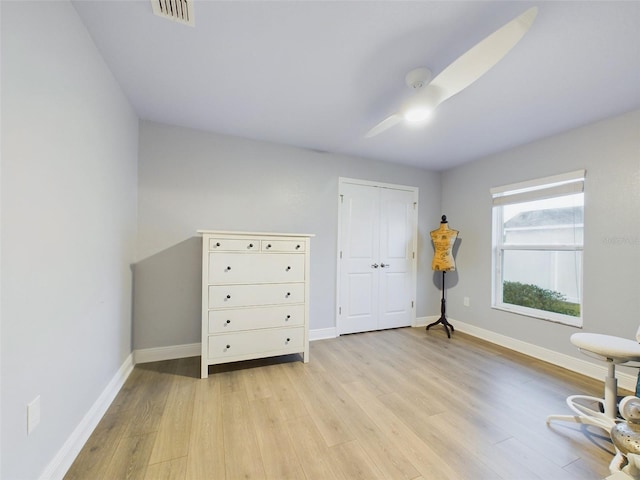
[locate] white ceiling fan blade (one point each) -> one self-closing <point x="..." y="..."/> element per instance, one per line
<point x="387" y="123"/>
<point x="474" y="63"/>
<point x="465" y="70"/>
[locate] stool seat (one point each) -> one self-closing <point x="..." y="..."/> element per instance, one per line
<point x="619" y="350"/>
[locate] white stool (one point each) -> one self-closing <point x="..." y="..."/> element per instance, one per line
<point x="615" y="351"/>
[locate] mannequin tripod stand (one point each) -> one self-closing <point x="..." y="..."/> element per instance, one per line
<point x="443" y="319"/>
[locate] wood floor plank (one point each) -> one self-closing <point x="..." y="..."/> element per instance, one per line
<point x="288" y="402"/>
<point x="388" y="458"/>
<point x="170" y="470"/>
<point x="206" y="444"/>
<point x="330" y="358"/>
<point x="590" y="444"/>
<point x="332" y="428"/>
<point x="311" y="450"/>
<point x="513" y="459"/>
<point x="256" y="383"/>
<point x="278" y="455"/>
<point x="99" y="449"/>
<point x="360" y="363"/>
<point x="353" y="463"/>
<point x="131" y="458"/>
<point x="241" y="448"/>
<point x="421" y="454"/>
<point x="130" y="392"/>
<point x="476" y="428"/>
<point x="174" y="429"/>
<point x="585" y="470"/>
<point x="440" y="439"/>
<point x="147" y="406"/>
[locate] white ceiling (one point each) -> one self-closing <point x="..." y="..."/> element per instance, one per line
<point x="320" y="74"/>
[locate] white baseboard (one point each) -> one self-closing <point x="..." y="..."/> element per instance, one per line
<point x="583" y="367"/>
<point x="61" y="463"/>
<point x="322" y="333"/>
<point x="424" y="321"/>
<point x="158" y="354"/>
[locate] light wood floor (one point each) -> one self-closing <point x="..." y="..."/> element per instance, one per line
<point x="396" y="404"/>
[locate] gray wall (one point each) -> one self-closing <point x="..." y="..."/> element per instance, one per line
<point x="69" y="149"/>
<point x="190" y="180"/>
<point x="610" y="152"/>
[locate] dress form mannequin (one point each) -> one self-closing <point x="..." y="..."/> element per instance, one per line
<point x="443" y="240"/>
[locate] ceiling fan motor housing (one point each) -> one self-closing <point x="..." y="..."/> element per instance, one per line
<point x="418" y="77"/>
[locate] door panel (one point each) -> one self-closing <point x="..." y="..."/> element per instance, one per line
<point x="395" y="301"/>
<point x="360" y="305"/>
<point x="361" y="209"/>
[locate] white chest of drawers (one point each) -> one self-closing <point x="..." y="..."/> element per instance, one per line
<point x="255" y="296"/>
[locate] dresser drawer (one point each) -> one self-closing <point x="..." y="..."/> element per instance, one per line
<point x="225" y="321"/>
<point x="282" y="246"/>
<point x="233" y="245"/>
<point x="234" y="296"/>
<point x="281" y="340"/>
<point x="225" y="268"/>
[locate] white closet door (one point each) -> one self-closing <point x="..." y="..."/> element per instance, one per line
<point x="377" y="264"/>
<point x="397" y="227"/>
<point x="360" y="227"/>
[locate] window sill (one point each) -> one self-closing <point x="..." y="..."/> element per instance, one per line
<point x="541" y="315"/>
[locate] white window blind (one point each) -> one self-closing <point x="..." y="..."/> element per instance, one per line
<point x="549" y="187"/>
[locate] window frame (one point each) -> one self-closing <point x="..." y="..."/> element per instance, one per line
<point x="544" y="188"/>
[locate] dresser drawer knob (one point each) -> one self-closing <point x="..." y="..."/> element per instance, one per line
<point x="228" y="347"/>
<point x="287" y="319"/>
<point x="228" y="322"/>
<point x="251" y="245"/>
<point x="228" y="268"/>
<point x="297" y="247"/>
<point x="269" y="246"/>
<point x="288" y="294"/>
<point x="288" y="340"/>
<point x="288" y="268"/>
<point x="228" y="297"/>
<point x="217" y="244"/>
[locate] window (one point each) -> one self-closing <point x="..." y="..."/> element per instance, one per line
<point x="538" y="238"/>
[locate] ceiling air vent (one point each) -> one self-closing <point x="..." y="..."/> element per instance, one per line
<point x="177" y="10"/>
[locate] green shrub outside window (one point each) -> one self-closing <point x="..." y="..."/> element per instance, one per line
<point x="533" y="296"/>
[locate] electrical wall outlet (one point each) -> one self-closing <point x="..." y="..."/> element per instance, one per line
<point x="33" y="414"/>
<point x="466" y="301"/>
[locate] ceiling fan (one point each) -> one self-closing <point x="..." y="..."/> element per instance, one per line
<point x="465" y="70"/>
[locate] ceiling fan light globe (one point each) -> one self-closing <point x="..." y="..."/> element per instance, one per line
<point x="418" y="114"/>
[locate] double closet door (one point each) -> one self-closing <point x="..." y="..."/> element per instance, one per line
<point x="377" y="256"/>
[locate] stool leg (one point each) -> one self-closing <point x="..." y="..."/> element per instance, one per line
<point x="611" y="392"/>
<point x="595" y="416"/>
